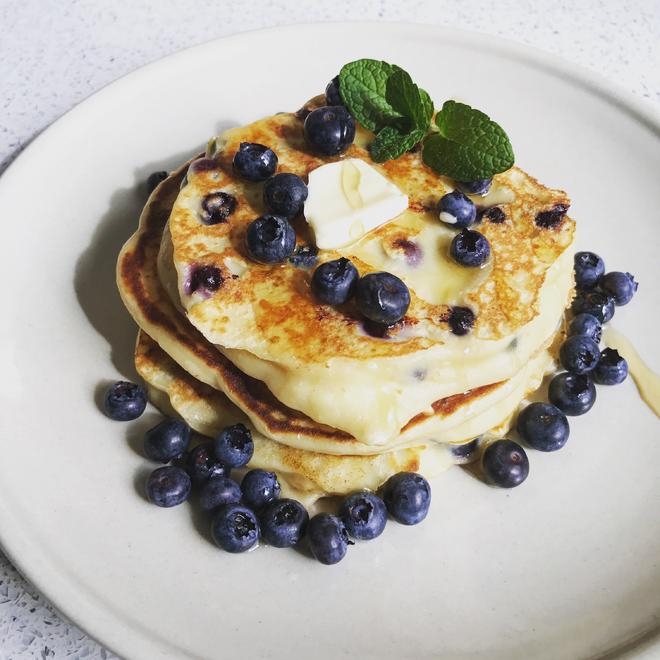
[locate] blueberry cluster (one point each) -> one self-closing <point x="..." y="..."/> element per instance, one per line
<point x="544" y="426"/>
<point x="270" y="239"/>
<point x="362" y="516"/>
<point x="381" y="297"/>
<point x="241" y="514"/>
<point x="244" y="513"/>
<point x="469" y="248"/>
<point x="598" y="293"/>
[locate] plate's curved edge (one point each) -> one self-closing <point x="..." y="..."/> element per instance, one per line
<point x="62" y="596"/>
<point x="68" y="597"/>
<point x="645" y="646"/>
<point x="606" y="89"/>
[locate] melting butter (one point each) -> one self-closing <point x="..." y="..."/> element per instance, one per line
<point x="496" y="196"/>
<point x="350" y="184"/>
<point x="647" y="381"/>
<point x="347" y="199"/>
<point x="418" y="253"/>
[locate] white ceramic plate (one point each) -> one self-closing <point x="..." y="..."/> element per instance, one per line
<point x="566" y="566"/>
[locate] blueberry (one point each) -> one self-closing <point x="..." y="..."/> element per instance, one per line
<point x="283" y="523"/>
<point x="379" y="330"/>
<point x="364" y="515"/>
<point x="589" y="268"/>
<point x="328" y="538"/>
<point x="168" y="486"/>
<point x="579" y="354"/>
<point x="407" y="496"/>
<point x="476" y="187"/>
<point x="254" y="162"/>
<point x="207" y="278"/>
<point x="333" y="282"/>
<point x="461" y="320"/>
<point x="154" y="179"/>
<point x="550" y="218"/>
<point x="235" y="528"/>
<point x="505" y="463"/>
<point x="124" y="401"/>
<point x="285" y="194"/>
<point x="457" y="210"/>
<point x="330" y="130"/>
<point x="620" y="286"/>
<point x="332" y="95"/>
<point x="202" y="464"/>
<point x="217" y="207"/>
<point x="595" y="303"/>
<point x="464" y="452"/>
<point x="234" y="446"/>
<point x="218" y="491"/>
<point x="200" y="165"/>
<point x="470" y="248"/>
<point x="270" y="239"/>
<point x="167" y="440"/>
<point x="382" y="297"/>
<point x="587" y="325"/>
<point x="260" y="487"/>
<point x="304" y="256"/>
<point x="494" y="214"/>
<point x="612" y="368"/>
<point x="543" y="426"/>
<point x="573" y="394"/>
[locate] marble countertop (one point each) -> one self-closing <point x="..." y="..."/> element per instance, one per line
<point x="53" y="55"/>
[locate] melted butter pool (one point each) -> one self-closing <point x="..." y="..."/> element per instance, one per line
<point x="647" y="381"/>
<point x="418" y="252"/>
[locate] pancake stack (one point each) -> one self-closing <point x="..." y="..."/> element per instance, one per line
<point x="334" y="404"/>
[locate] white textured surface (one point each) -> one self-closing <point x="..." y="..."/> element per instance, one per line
<point x="52" y="55"/>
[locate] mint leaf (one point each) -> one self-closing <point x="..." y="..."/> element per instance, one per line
<point x="384" y="99"/>
<point x="469" y="144"/>
<point x="362" y="85"/>
<point x="405" y="97"/>
<point x="427" y="104"/>
<point x="390" y="143"/>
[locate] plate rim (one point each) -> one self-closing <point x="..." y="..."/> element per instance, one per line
<point x="66" y="595"/>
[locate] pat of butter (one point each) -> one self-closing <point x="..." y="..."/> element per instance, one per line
<point x="348" y="199"/>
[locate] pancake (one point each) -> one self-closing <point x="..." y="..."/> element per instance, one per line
<point x="303" y="475"/>
<point x="454" y="419"/>
<point x="318" y="359"/>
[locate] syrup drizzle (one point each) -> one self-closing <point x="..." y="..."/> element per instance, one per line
<point x="647" y="381"/>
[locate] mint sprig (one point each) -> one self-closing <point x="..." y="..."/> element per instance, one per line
<point x="469" y="144"/>
<point x="390" y="143"/>
<point x="406" y="98"/>
<point x="362" y="85"/>
<point x="383" y="98"/>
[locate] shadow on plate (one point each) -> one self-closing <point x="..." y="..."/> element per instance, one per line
<point x="140" y="480"/>
<point x="201" y="520"/>
<point x="94" y="280"/>
<point x="136" y="429"/>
